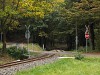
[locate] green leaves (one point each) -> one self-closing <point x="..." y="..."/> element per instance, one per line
<point x="43" y="34"/>
<point x="2" y="14"/>
<point x="37" y="9"/>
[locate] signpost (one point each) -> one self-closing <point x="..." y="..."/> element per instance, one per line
<point x="27" y="36"/>
<point x="1" y="40"/>
<point x="1" y="36"/>
<point x="87" y="35"/>
<point x="76" y="38"/>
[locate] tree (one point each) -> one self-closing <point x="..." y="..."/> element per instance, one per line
<point x="8" y="19"/>
<point x="90" y="11"/>
<point x="15" y="12"/>
<point x="76" y="12"/>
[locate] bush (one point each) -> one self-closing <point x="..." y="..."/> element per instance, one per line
<point x="81" y="49"/>
<point x="17" y="53"/>
<point x="79" y="56"/>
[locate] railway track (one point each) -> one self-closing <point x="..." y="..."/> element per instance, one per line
<point x="26" y="61"/>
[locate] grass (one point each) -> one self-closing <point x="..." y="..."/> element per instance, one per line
<point x="87" y="66"/>
<point x="34" y="47"/>
<point x="5" y="59"/>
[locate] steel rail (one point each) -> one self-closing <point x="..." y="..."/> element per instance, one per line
<point x="26" y="60"/>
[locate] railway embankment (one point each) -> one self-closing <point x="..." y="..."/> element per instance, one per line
<point x="12" y="68"/>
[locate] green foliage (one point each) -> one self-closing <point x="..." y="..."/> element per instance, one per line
<point x="8" y="14"/>
<point x="36" y="9"/>
<point x="17" y="53"/>
<point x="82" y="49"/>
<point x="62" y="22"/>
<point x="79" y="56"/>
<point x="60" y="17"/>
<point x="97" y="36"/>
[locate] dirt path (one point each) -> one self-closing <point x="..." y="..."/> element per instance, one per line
<point x="71" y="53"/>
<point x="92" y="54"/>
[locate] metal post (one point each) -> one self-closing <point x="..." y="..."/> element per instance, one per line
<point x="32" y="39"/>
<point x="1" y="41"/>
<point x="27" y="36"/>
<point x="76" y="39"/>
<point x="87" y="35"/>
<point x="43" y="46"/>
<point x="86" y="45"/>
<point x="28" y="47"/>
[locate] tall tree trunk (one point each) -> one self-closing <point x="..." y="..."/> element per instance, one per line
<point x="91" y="26"/>
<point x="4" y="41"/>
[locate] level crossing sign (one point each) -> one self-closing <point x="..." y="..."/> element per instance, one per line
<point x="87" y="32"/>
<point x="87" y="35"/>
<point x="27" y="34"/>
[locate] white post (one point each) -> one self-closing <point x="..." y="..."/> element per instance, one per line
<point x="22" y="45"/>
<point x="28" y="46"/>
<point x="43" y="46"/>
<point x="76" y="38"/>
<point x="32" y="47"/>
<point x="27" y="37"/>
<point x="87" y="35"/>
<point x="17" y="45"/>
<point x="1" y="40"/>
<point x="86" y="45"/>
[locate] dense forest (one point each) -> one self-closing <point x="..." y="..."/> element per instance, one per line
<point x="54" y="23"/>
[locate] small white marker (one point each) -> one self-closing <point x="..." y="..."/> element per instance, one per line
<point x="66" y="57"/>
<point x="17" y="60"/>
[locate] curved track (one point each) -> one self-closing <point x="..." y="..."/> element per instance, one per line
<point x="26" y="60"/>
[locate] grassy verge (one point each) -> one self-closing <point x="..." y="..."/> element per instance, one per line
<point x="5" y="59"/>
<point x="87" y="66"/>
<point x="34" y="47"/>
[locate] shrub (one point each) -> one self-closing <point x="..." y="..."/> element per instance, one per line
<point x="17" y="53"/>
<point x="79" y="56"/>
<point x="81" y="49"/>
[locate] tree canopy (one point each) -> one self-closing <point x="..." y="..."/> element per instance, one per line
<point x="53" y="20"/>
